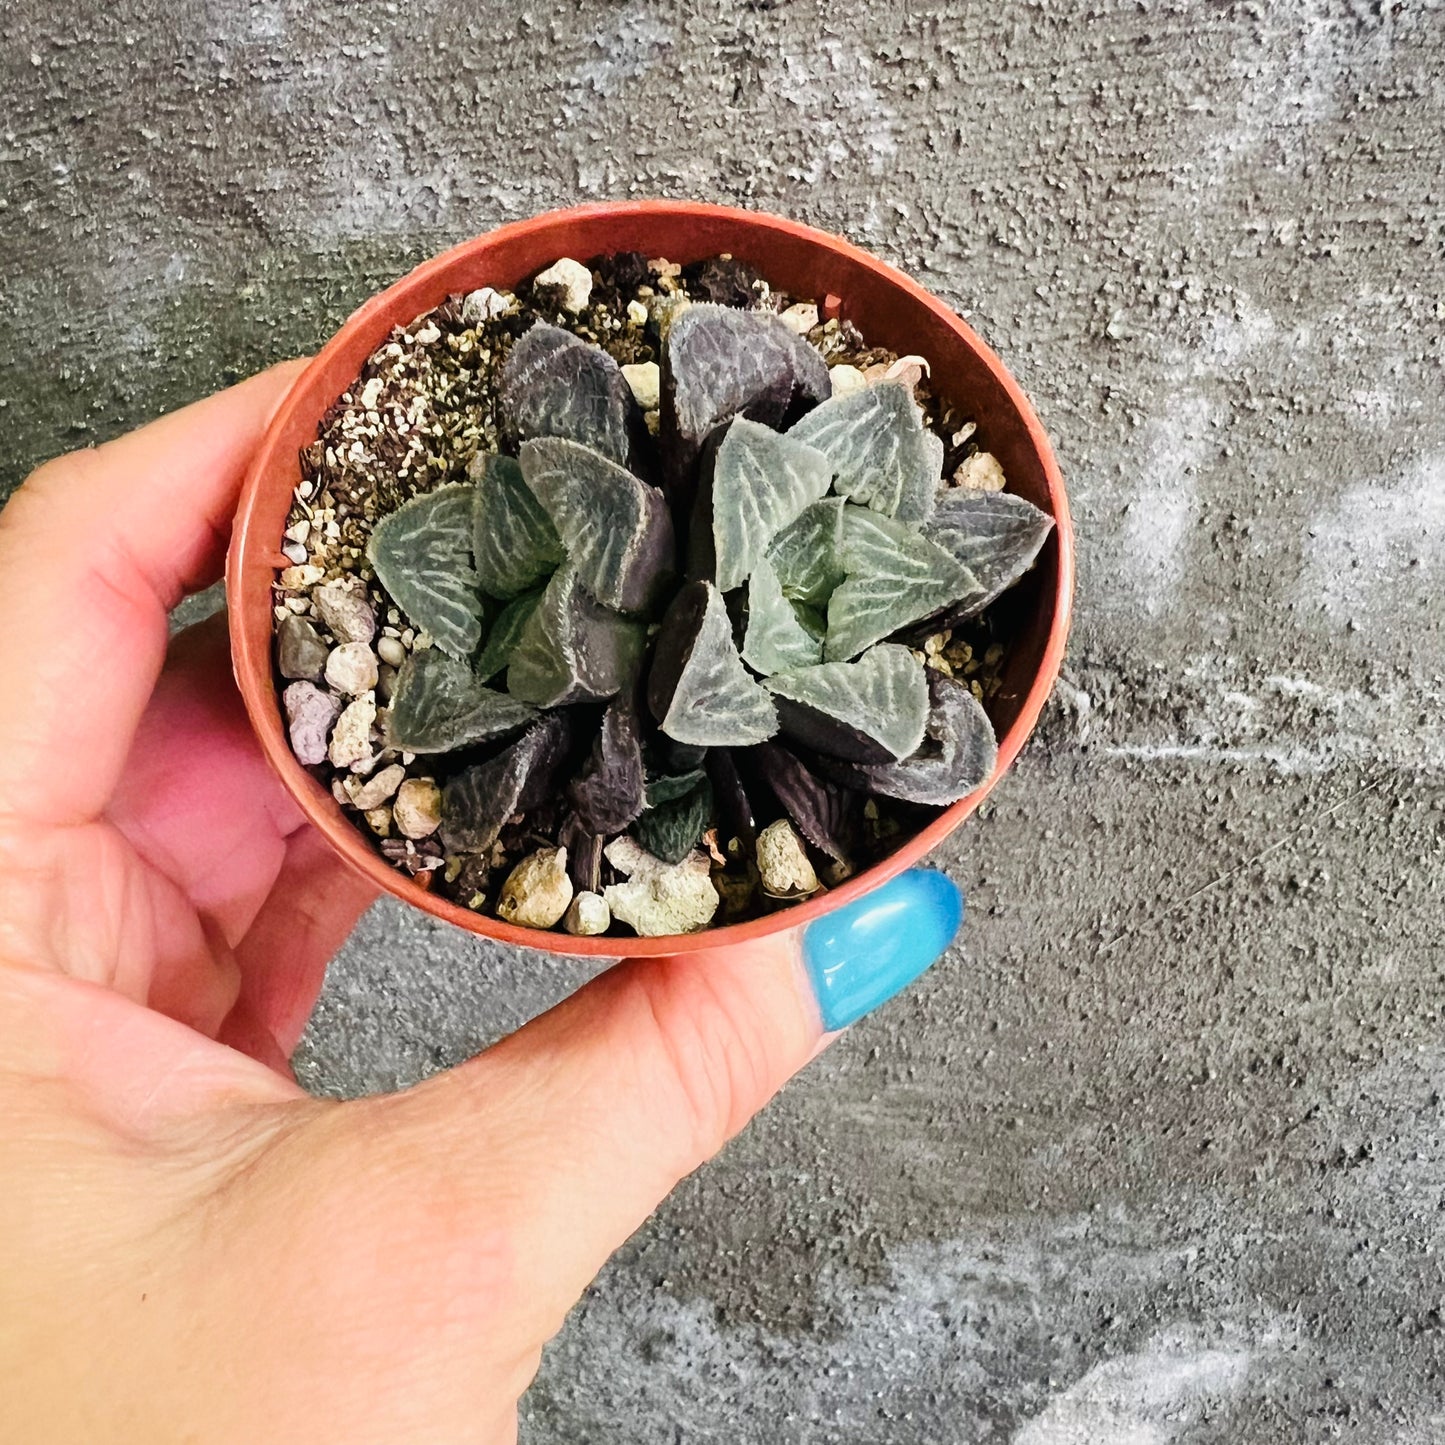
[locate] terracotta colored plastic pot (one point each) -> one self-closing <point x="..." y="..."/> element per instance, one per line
<point x="888" y="308"/>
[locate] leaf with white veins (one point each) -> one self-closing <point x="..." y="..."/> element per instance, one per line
<point x="506" y="632"/>
<point x="617" y="530"/>
<point x="996" y="535"/>
<point x="422" y="553"/>
<point x="440" y="704"/>
<point x="894" y="577"/>
<point x="698" y="689"/>
<point x="514" y="543"/>
<point x="761" y="481"/>
<point x="870" y="711"/>
<point x="808" y="554"/>
<point x="554" y="384"/>
<point x="776" y="638"/>
<point x="571" y="649"/>
<point x="880" y="452"/>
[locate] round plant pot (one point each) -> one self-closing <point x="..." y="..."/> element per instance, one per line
<point x="890" y="310"/>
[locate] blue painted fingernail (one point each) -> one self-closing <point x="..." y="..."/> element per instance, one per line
<point x="860" y="956"/>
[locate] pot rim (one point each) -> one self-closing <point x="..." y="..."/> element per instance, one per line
<point x="251" y="628"/>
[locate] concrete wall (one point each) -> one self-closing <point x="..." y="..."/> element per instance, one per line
<point x="1156" y="1153"/>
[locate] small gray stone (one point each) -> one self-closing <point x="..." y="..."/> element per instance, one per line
<point x="300" y="651"/>
<point x="309" y="714"/>
<point x="351" y="669"/>
<point x="486" y="304"/>
<point x="351" y="739"/>
<point x="342" y="605"/>
<point x="417" y="810"/>
<point x="537" y="890"/>
<point x="391" y="651"/>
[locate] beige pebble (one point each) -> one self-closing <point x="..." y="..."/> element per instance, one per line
<point x="303" y="576"/>
<point x="981" y="473"/>
<point x="800" y="318"/>
<point x="637" y="313"/>
<point x="417" y="809"/>
<point x="846" y="379"/>
<point x="574" y="279"/>
<point x="351" y="668"/>
<point x="660" y="898"/>
<point x="368" y="793"/>
<point x="783" y="863"/>
<point x="588" y="915"/>
<point x="351" y="737"/>
<point x="391" y="651"/>
<point x="645" y="379"/>
<point x="379" y="821"/>
<point x="537" y="890"/>
<point x="343" y="606"/>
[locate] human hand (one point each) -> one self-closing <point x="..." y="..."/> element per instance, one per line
<point x="191" y="1249"/>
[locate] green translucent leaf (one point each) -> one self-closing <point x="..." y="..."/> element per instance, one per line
<point x="666" y="789"/>
<point x="894" y="577"/>
<point x="698" y="689"/>
<point x="505" y="633"/>
<point x="573" y="650"/>
<point x="439" y="704"/>
<point x="718" y="363"/>
<point x="422" y="554"/>
<point x="514" y="543"/>
<point x="870" y="711"/>
<point x="761" y="481"/>
<point x="777" y="638"/>
<point x="957" y="755"/>
<point x="808" y="554"/>
<point x="671" y="830"/>
<point x="996" y="535"/>
<point x="554" y="384"/>
<point x="617" y="529"/>
<point x="880" y="451"/>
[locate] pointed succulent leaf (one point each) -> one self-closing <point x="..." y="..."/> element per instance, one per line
<point x="822" y="811"/>
<point x="957" y="755"/>
<point x="698" y="689"/>
<point x="554" y="384"/>
<point x="808" y="554"/>
<point x="671" y="830"/>
<point x="869" y="711"/>
<point x="608" y="794"/>
<point x="996" y="535"/>
<point x="894" y="577"/>
<point x="478" y="801"/>
<point x="422" y="554"/>
<point x="514" y="542"/>
<point x="617" y="529"/>
<point x="718" y="363"/>
<point x="777" y="638"/>
<point x="761" y="481"/>
<point x="440" y="704"/>
<point x="669" y="787"/>
<point x="505" y="633"/>
<point x="880" y="451"/>
<point x="573" y="650"/>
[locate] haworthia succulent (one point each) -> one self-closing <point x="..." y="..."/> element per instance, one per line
<point x="718" y="363"/>
<point x="422" y="554"/>
<point x="617" y="530"/>
<point x="478" y="801"/>
<point x="957" y="755"/>
<point x="776" y="638"/>
<point x="761" y="481"/>
<point x="808" y="554"/>
<point x="996" y="535"/>
<point x="609" y="792"/>
<point x="554" y="384"/>
<point x="894" y="576"/>
<point x="698" y="689"/>
<point x="670" y="830"/>
<point x="573" y="650"/>
<point x="869" y="711"/>
<point x="439" y="704"/>
<point x="514" y="543"/>
<point x="880" y="452"/>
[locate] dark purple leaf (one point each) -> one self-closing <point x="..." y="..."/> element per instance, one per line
<point x="723" y="280"/>
<point x="584" y="854"/>
<point x="554" y="384"/>
<point x="734" y="807"/>
<point x="608" y="794"/>
<point x="957" y="755"/>
<point x="823" y="812"/>
<point x="477" y="803"/>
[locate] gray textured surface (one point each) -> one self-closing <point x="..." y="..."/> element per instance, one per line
<point x="1156" y="1154"/>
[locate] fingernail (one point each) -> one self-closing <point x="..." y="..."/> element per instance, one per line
<point x="860" y="956"/>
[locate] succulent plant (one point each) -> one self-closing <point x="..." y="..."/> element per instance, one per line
<point x="652" y="624"/>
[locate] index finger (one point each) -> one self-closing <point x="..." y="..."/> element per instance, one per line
<point x="95" y="548"/>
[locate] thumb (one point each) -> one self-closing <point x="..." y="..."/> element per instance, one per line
<point x="582" y="1122"/>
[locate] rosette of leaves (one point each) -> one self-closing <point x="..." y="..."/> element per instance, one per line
<point x="667" y="633"/>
